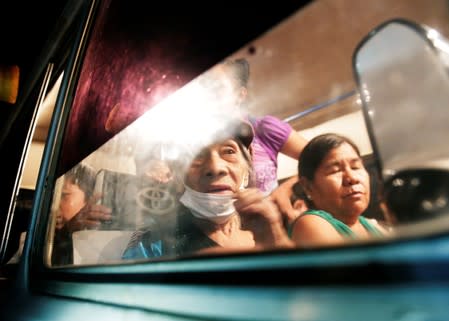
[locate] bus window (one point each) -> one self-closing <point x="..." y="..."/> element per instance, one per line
<point x="157" y="103"/>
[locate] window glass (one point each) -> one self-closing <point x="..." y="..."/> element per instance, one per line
<point x="180" y="141"/>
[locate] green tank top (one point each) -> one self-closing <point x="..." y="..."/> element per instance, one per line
<point x="344" y="230"/>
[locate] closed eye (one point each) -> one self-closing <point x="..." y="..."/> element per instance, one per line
<point x="357" y="164"/>
<point x="333" y="169"/>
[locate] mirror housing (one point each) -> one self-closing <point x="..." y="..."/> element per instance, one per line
<point x="401" y="70"/>
<point x="418" y="194"/>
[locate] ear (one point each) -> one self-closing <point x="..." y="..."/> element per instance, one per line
<point x="307" y="187"/>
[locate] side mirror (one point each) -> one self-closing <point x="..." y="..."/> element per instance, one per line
<point x="415" y="195"/>
<point x="401" y="73"/>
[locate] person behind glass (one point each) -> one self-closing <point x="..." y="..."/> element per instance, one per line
<point x="297" y="199"/>
<point x="160" y="164"/>
<point x="337" y="192"/>
<point x="229" y="80"/>
<point x="219" y="209"/>
<point x="159" y="169"/>
<point x="76" y="211"/>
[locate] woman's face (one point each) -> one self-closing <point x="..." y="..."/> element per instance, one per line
<point x="72" y="200"/>
<point x="341" y="185"/>
<point x="219" y="168"/>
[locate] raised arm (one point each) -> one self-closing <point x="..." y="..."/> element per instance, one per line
<point x="261" y="216"/>
<point x="281" y="196"/>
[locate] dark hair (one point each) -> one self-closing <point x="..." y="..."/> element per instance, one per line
<point x="83" y="176"/>
<point x="240" y="70"/>
<point x="247" y="155"/>
<point x="317" y="149"/>
<point x="297" y="193"/>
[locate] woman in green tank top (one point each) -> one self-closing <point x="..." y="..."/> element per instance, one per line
<point x="337" y="191"/>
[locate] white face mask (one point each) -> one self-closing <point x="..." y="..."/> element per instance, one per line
<point x="217" y="208"/>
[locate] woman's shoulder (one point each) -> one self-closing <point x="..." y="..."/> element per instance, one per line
<point x="383" y="226"/>
<point x="315" y="222"/>
<point x="317" y="213"/>
<point x="314" y="230"/>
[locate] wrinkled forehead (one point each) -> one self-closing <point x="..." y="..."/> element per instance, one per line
<point x="343" y="152"/>
<point x="231" y="142"/>
<point x="220" y="140"/>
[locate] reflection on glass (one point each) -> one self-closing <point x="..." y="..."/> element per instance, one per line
<point x="396" y="86"/>
<point x="171" y="175"/>
<point x="404" y="77"/>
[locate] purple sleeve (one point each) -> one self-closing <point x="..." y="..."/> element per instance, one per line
<point x="273" y="132"/>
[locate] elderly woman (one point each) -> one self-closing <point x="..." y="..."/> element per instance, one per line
<point x="219" y="210"/>
<point x="337" y="192"/>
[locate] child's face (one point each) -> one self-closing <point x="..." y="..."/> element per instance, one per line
<point x="72" y="200"/>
